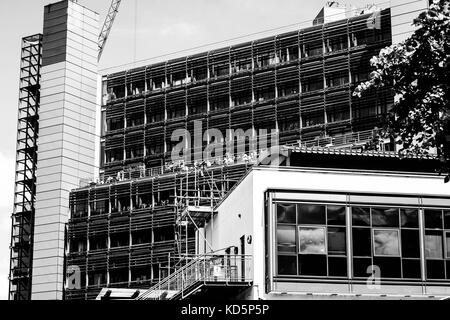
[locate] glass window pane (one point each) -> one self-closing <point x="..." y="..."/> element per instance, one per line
<point x="336" y="241"/>
<point x="360" y="216"/>
<point x="410" y="243"/>
<point x="286" y="213"/>
<point x="435" y="269"/>
<point x="411" y="268"/>
<point x="336" y="215"/>
<point x="286" y="239"/>
<point x="360" y="266"/>
<point x="409" y="218"/>
<point x="385" y="217"/>
<point x="361" y="242"/>
<point x="433" y="219"/>
<point x="311" y="214"/>
<point x="447" y="219"/>
<point x="312" y="240"/>
<point x="447" y="244"/>
<point x="337" y="266"/>
<point x="312" y="265"/>
<point x="386" y="242"/>
<point x="433" y="244"/>
<point x="389" y="267"/>
<point x="287" y="265"/>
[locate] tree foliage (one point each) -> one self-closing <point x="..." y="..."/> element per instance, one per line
<point x="417" y="69"/>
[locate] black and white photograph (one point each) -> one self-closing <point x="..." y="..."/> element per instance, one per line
<point x="243" y="151"/>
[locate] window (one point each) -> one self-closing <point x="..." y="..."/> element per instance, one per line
<point x="313" y="118"/>
<point x="312" y="49"/>
<point x="99" y="207"/>
<point x="97" y="278"/>
<point x="219" y="102"/>
<point x="121" y="239"/>
<point x="336" y="43"/>
<point x="337" y="79"/>
<point x="114" y="155"/>
<point x="135" y="119"/>
<point x="312" y="83"/>
<point x="386" y="242"/>
<point x="311" y="240"/>
<point x="114" y="124"/>
<point x="80" y="209"/>
<point x="286" y="239"/>
<point x="437" y="244"/>
<point x="98" y="242"/>
<point x="134" y="152"/>
<point x="388" y="238"/>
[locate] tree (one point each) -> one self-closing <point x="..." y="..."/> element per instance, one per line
<point x="417" y="70"/>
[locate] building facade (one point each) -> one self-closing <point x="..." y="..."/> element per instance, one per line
<point x="125" y="229"/>
<point x="59" y="148"/>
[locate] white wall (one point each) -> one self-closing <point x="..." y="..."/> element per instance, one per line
<point x="402" y="15"/>
<point x="66" y="144"/>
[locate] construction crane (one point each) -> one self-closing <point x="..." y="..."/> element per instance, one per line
<point x="106" y="29"/>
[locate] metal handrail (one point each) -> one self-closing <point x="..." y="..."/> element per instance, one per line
<point x="205" y="268"/>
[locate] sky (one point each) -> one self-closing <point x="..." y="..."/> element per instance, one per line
<point x="143" y="29"/>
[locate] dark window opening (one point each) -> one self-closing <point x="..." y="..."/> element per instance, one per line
<point x="262" y="94"/>
<point x="219" y="102"/>
<point x="114" y="155"/>
<point x="336" y="44"/>
<point x="199" y="73"/>
<point x="337" y="79"/>
<point x="243" y="97"/>
<point x="99" y="207"/>
<point x="141" y="236"/>
<point x="120" y="239"/>
<point x="78" y="245"/>
<point x="139" y="274"/>
<point x="159" y="83"/>
<point x="118" y="275"/>
<point x="97" y="278"/>
<point x="135" y="119"/>
<point x="312" y="49"/>
<point x="98" y="242"/>
<point x="134" y="152"/>
<point x="163" y="234"/>
<point x="115" y="124"/>
<point x="312" y="84"/>
<point x="313" y="118"/>
<point x="287" y="89"/>
<point x="220" y="70"/>
<point x="136" y="88"/>
<point x="80" y="209"/>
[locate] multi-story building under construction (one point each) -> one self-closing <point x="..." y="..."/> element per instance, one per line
<point x="147" y="221"/>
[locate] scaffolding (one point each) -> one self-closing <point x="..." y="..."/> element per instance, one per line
<point x="125" y="233"/>
<point x="26" y="159"/>
<point x="299" y="83"/>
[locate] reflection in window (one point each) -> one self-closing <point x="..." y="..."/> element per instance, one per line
<point x="385" y="217"/>
<point x="433" y="244"/>
<point x="286" y="239"/>
<point x="286" y="213"/>
<point x="311" y="214"/>
<point x="312" y="240"/>
<point x="360" y="216"/>
<point x="386" y="242"/>
<point x="409" y="218"/>
<point x="336" y="241"/>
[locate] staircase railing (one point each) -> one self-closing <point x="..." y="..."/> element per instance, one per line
<point x="203" y="269"/>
